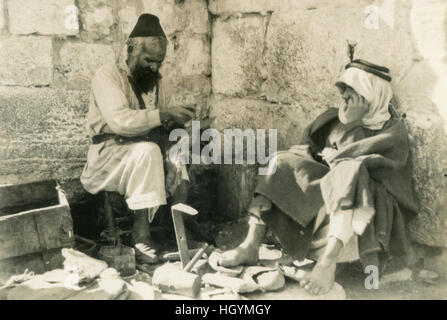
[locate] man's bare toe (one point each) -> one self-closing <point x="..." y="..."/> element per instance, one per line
<point x="313" y="288"/>
<point x="316" y="289"/>
<point x="320" y="280"/>
<point x="228" y="258"/>
<point x="308" y="287"/>
<point x="303" y="283"/>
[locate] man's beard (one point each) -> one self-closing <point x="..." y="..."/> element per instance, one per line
<point x="146" y="80"/>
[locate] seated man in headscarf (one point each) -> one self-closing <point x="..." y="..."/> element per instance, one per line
<point x="344" y="192"/>
<point x="126" y="112"/>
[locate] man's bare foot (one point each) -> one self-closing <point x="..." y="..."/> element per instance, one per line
<point x="321" y="279"/>
<point x="239" y="256"/>
<point x="247" y="253"/>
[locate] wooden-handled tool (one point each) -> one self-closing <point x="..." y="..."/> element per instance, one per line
<point x="178" y="211"/>
<point x="196" y="258"/>
<point x="169" y="278"/>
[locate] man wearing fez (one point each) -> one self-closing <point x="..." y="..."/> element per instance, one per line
<point x="123" y="126"/>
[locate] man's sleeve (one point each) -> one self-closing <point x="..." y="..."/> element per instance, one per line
<point x="116" y="111"/>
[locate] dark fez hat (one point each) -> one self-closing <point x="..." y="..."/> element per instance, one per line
<point x="147" y="25"/>
<point x="381" y="72"/>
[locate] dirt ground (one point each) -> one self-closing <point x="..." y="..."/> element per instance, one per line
<point x="352" y="280"/>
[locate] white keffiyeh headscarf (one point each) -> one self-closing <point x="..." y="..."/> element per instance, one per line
<point x="375" y="90"/>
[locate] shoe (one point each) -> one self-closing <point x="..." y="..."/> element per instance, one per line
<point x="145" y="254"/>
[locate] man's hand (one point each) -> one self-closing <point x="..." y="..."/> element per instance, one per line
<point x="179" y="115"/>
<point x="327" y="153"/>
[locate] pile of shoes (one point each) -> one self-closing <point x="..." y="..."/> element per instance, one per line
<point x="245" y="279"/>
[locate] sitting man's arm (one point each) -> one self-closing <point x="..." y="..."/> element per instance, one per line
<point x="125" y="121"/>
<point x="116" y="111"/>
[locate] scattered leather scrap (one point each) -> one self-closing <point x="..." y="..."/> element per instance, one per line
<point x="87" y="268"/>
<point x="235" y="284"/>
<point x="264" y="278"/>
<point x="294" y="272"/>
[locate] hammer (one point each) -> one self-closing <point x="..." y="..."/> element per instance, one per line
<point x="169" y="278"/>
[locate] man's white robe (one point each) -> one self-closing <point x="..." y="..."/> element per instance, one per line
<point x="135" y="170"/>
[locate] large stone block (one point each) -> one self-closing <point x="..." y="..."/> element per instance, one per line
<point x="306" y="50"/>
<point x="227" y="7"/>
<point x="188" y="55"/>
<point x="196" y="12"/>
<point x="237" y="56"/>
<point x="192" y="86"/>
<point x="195" y="56"/>
<point x="42" y="134"/>
<point x="175" y="16"/>
<point x="49" y="17"/>
<point x="235" y="187"/>
<point x="424" y="99"/>
<point x="429" y="148"/>
<point x="2" y="16"/>
<point x="288" y="120"/>
<point x="79" y="61"/>
<point x="192" y="90"/>
<point x="26" y="61"/>
<point x="128" y="17"/>
<point x="186" y="71"/>
<point x="96" y="18"/>
<point x="166" y="12"/>
<point x="234" y="7"/>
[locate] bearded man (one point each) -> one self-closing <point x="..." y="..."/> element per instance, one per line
<point x="126" y="112"/>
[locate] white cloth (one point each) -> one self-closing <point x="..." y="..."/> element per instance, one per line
<point x="375" y="90"/>
<point x="134" y="170"/>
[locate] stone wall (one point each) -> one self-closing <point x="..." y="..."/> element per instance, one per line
<point x="49" y="49"/>
<point x="268" y="64"/>
<point x="274" y="63"/>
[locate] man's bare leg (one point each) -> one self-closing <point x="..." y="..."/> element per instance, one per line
<point x="322" y="277"/>
<point x="144" y="249"/>
<point x="248" y="251"/>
